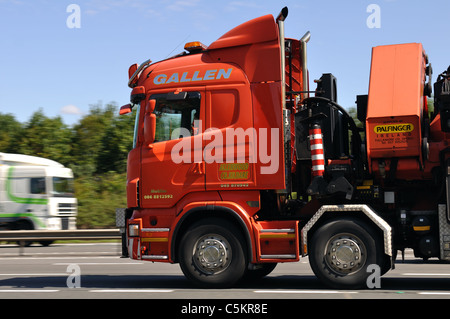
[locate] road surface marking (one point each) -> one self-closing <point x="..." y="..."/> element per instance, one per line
<point x="63" y="257"/>
<point x="425" y="274"/>
<point x="28" y="290"/>
<point x="131" y="290"/>
<point x="303" y="292"/>
<point x="97" y="264"/>
<point x="37" y="274"/>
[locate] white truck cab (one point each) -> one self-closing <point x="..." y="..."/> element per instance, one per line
<point x="36" y="193"/>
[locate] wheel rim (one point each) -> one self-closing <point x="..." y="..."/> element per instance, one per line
<point x="212" y="254"/>
<point x="345" y="254"/>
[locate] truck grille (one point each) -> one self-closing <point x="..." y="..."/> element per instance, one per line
<point x="67" y="209"/>
<point x="64" y="223"/>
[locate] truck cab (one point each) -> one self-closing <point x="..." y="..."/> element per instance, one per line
<point x="36" y="193"/>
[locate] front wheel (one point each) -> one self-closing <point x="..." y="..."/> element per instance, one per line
<point x="341" y="251"/>
<point x="212" y="254"/>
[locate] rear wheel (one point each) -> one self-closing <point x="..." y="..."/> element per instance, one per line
<point x="212" y="254"/>
<point x="23" y="225"/>
<point x="341" y="252"/>
<point x="46" y="243"/>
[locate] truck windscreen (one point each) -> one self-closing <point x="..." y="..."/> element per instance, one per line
<point x="63" y="187"/>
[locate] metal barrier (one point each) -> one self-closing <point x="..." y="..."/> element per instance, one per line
<point x="24" y="236"/>
<point x="51" y="235"/>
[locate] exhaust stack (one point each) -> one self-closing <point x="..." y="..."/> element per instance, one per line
<point x="303" y="55"/>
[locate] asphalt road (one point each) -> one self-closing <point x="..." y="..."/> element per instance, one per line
<point x="51" y="273"/>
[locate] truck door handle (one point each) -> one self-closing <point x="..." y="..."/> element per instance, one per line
<point x="197" y="168"/>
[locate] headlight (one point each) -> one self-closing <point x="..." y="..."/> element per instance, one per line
<point x="133" y="230"/>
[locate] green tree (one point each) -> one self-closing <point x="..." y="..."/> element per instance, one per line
<point x="46" y="137"/>
<point x="116" y="143"/>
<point x="101" y="141"/>
<point x="98" y="196"/>
<point x="87" y="140"/>
<point x="10" y="132"/>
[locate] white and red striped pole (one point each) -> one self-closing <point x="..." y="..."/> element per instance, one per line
<point x="317" y="153"/>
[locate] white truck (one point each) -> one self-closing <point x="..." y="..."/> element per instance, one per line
<point x="36" y="193"/>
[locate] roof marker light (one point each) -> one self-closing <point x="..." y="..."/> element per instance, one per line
<point x="195" y="46"/>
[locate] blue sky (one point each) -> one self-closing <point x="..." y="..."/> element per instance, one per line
<point x="44" y="64"/>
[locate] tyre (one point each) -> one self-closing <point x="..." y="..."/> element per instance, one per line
<point x="212" y="254"/>
<point x="341" y="251"/>
<point x="23" y="225"/>
<point x="46" y="243"/>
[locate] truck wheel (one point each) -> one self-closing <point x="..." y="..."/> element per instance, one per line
<point x="341" y="251"/>
<point x="212" y="255"/>
<point x="23" y="225"/>
<point x="46" y="243"/>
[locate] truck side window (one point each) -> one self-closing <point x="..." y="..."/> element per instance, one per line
<point x="173" y="115"/>
<point x="37" y="185"/>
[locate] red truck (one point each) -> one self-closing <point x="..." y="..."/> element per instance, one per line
<point x="237" y="165"/>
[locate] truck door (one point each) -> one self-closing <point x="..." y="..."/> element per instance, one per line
<point x="230" y="138"/>
<point x="172" y="166"/>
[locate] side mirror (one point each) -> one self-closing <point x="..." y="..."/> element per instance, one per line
<point x="131" y="70"/>
<point x="125" y="109"/>
<point x="151" y="106"/>
<point x="137" y="94"/>
<point x="150" y="122"/>
<point x="149" y="128"/>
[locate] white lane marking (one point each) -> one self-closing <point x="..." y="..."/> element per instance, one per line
<point x="131" y="290"/>
<point x="28" y="290"/>
<point x="97" y="264"/>
<point x="87" y="244"/>
<point x="303" y="292"/>
<point x="37" y="274"/>
<point x="425" y="274"/>
<point x="66" y="244"/>
<point x="63" y="257"/>
<point x="74" y="253"/>
<point x="434" y="293"/>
